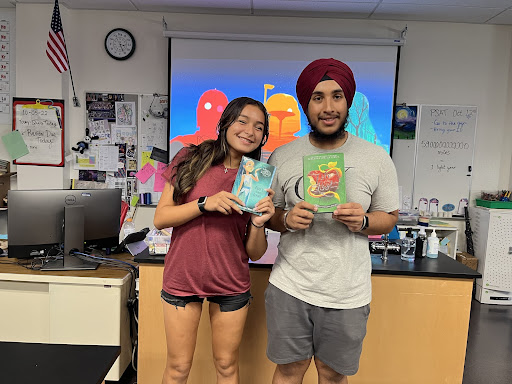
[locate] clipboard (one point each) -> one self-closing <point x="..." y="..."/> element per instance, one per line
<point x="41" y="123"/>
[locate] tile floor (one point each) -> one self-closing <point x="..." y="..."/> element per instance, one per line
<point x="489" y="351"/>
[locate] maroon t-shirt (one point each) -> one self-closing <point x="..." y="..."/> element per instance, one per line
<point x="207" y="255"/>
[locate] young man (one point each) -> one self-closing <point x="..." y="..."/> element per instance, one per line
<point x="318" y="298"/>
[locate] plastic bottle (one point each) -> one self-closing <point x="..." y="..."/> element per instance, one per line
<point x="433" y="245"/>
<point x="128" y="227"/>
<point x="408" y="247"/>
<point x="421" y="244"/>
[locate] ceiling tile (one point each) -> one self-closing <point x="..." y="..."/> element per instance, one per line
<point x="434" y="13"/>
<point x="502" y="18"/>
<point x="119" y="5"/>
<point x="201" y="6"/>
<point x="465" y="3"/>
<point x="364" y="7"/>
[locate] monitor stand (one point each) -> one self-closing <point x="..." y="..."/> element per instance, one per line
<point x="73" y="240"/>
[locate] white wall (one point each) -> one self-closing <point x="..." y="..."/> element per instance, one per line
<point x="441" y="63"/>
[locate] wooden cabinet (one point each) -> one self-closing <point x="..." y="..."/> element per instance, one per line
<point x="69" y="307"/>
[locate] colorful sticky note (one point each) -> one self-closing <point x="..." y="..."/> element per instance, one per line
<point x="145" y="157"/>
<point x="145" y="173"/>
<point x="159" y="180"/>
<point x="15" y="145"/>
<point x="134" y="201"/>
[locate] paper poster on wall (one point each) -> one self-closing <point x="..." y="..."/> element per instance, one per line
<point x="101" y="130"/>
<point x="86" y="160"/>
<point x="125" y="114"/>
<point x="41" y="124"/>
<point x="404" y="122"/>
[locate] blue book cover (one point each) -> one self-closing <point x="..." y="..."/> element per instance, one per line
<point x="252" y="179"/>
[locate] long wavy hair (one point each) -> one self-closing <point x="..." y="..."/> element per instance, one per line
<point x="209" y="153"/>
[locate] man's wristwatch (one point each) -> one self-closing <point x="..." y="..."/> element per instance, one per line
<point x="366" y="223"/>
<point x="284" y="222"/>
<point x="201" y="203"/>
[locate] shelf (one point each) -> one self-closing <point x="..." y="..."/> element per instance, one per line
<point x="450" y="232"/>
<point x="429" y="228"/>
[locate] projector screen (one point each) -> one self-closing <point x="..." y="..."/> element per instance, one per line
<point x="204" y="75"/>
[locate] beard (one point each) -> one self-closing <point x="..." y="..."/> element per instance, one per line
<point x="322" y="137"/>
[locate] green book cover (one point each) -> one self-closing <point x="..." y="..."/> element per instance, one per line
<point x="324" y="180"/>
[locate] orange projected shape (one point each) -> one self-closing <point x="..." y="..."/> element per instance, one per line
<point x="284" y="119"/>
<point x="281" y="115"/>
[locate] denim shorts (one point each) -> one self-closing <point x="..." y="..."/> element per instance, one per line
<point x="298" y="331"/>
<point x="226" y="303"/>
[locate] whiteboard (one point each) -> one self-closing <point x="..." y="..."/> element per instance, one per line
<point x="444" y="158"/>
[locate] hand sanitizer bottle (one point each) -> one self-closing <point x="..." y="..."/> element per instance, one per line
<point x="408" y="247"/>
<point x="433" y="245"/>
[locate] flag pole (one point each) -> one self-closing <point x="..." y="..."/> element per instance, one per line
<point x="76" y="102"/>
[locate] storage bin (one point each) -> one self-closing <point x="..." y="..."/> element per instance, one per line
<point x="494" y="204"/>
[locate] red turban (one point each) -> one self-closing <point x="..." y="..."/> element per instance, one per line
<point x="313" y="73"/>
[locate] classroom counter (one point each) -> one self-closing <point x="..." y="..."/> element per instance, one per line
<point x="417" y="330"/>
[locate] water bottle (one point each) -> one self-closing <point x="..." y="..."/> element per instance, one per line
<point x="408" y="247"/>
<point x="128" y="227"/>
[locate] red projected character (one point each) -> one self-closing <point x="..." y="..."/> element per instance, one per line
<point x="210" y="106"/>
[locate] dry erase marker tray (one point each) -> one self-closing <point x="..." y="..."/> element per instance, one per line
<point x="494" y="204"/>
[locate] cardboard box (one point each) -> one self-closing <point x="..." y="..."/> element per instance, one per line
<point x="468" y="260"/>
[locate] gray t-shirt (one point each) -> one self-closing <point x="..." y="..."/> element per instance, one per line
<point x="327" y="265"/>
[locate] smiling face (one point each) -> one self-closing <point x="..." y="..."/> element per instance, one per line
<point x="246" y="132"/>
<point x="327" y="110"/>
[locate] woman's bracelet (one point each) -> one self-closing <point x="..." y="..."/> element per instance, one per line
<point x="257" y="226"/>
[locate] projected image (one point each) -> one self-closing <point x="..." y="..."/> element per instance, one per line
<point x="199" y="96"/>
<point x="206" y="75"/>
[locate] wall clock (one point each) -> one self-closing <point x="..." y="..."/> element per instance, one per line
<point x="119" y="44"/>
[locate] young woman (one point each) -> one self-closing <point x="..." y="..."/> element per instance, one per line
<point x="212" y="241"/>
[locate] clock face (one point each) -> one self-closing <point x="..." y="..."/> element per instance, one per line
<point x="120" y="44"/>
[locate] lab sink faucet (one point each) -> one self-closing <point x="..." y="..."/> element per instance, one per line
<point x="384" y="246"/>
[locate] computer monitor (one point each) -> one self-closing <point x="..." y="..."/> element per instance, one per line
<point x="63" y="220"/>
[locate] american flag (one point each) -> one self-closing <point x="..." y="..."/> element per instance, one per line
<point x="56" y="46"/>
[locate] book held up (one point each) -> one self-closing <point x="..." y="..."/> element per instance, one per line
<point x="324" y="180"/>
<point x="252" y="179"/>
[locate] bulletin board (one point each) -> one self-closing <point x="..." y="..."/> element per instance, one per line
<point x="153" y="146"/>
<point x="111" y="120"/>
<point x="444" y="158"/>
<point x="41" y="125"/>
<point x="128" y="147"/>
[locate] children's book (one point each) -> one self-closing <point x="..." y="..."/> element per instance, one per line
<point x="324" y="180"/>
<point x="252" y="179"/>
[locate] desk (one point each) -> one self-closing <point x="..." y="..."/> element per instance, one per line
<point x="67" y="307"/>
<point x="417" y="330"/>
<point x="27" y="363"/>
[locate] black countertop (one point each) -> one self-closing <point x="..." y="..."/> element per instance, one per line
<point x="443" y="267"/>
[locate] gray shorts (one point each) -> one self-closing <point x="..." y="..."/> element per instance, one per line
<point x="298" y="331"/>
